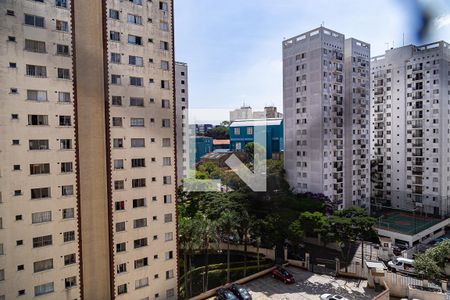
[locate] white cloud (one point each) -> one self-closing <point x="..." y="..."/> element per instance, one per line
<point x="442" y="21"/>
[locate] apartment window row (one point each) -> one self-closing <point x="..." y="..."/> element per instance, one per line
<point x="41" y="72"/>
<point x="118" y="143"/>
<point x="138" y="122"/>
<point x="42" y="96"/>
<point x="64" y="144"/>
<point x="116" y="79"/>
<point x="138" y="203"/>
<point x="38" y="21"/>
<point x="137" y="101"/>
<point x="138" y="61"/>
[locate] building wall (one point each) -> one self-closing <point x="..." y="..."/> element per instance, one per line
<point x="409" y="131"/>
<point x="243" y="113"/>
<point x="100" y="186"/>
<point x="314" y="117"/>
<point x="182" y="99"/>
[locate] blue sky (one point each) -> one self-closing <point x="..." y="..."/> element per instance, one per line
<point x="233" y="47"/>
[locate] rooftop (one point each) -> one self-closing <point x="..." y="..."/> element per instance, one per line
<point x="257" y="122"/>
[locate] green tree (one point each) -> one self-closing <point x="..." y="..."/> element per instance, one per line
<point x="208" y="235"/>
<point x="219" y="132"/>
<point x="431" y="263"/>
<point x="227" y="228"/>
<point x="312" y="222"/>
<point x="252" y="149"/>
<point x="350" y="226"/>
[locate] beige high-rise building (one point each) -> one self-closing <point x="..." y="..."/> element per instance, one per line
<point x="87" y="150"/>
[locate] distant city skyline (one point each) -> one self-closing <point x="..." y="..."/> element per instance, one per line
<point x="234" y="47"/>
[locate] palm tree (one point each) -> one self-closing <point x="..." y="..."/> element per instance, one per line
<point x="227" y="228"/>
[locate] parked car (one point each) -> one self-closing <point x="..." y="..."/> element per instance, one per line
<point x="401" y="264"/>
<point x="224" y="294"/>
<point x="332" y="297"/>
<point x="241" y="292"/>
<point x="283" y="275"/>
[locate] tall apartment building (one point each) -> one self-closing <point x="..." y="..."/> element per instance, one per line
<point x="243" y="113"/>
<point x="410" y="128"/>
<point x="182" y="100"/>
<point x="326" y="113"/>
<point x="87" y="150"/>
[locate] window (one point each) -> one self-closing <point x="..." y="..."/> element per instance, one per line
<point x="167" y="218"/>
<point x="140" y="283"/>
<point x="63" y="97"/>
<point x="137" y="142"/>
<point x="115" y="58"/>
<point x="167" y="161"/>
<point x="64" y="121"/>
<point x="67" y="190"/>
<point x="136" y="81"/>
<point x="165" y="84"/>
<point x="139" y="223"/>
<point x="237" y="131"/>
<point x="167" y="180"/>
<point x="122" y="289"/>
<point x="36" y="71"/>
<point x="11" y="38"/>
<point x="68" y="213"/>
<point x="118" y="143"/>
<point x="164" y="26"/>
<point x="134" y="101"/>
<point x="39" y="193"/>
<point x="139" y="263"/>
<point x="165" y="123"/>
<point x="138" y="183"/>
<point x="169" y="255"/>
<point x="120" y="205"/>
<point x="249" y="130"/>
<point x="61" y="3"/>
<point x="36" y="169"/>
<point x="139" y="202"/>
<point x="136" y="60"/>
<point x="169" y="274"/>
<point x="120" y="226"/>
<point x="134" y="19"/>
<point x="117" y="121"/>
<point x="42" y="241"/>
<point x="70" y="282"/>
<point x="37" y="120"/>
<point x="164" y="45"/>
<point x="138" y="2"/>
<point x="118" y="164"/>
<point x="166" y="142"/>
<point x="35" y="21"/>
<point x="38" y="145"/>
<point x="41" y="217"/>
<point x="134" y="40"/>
<point x="69" y="259"/>
<point x="137" y="122"/>
<point x="114" y="14"/>
<point x="62" y="50"/>
<point x="116" y="100"/>
<point x="62" y="26"/>
<point x="12" y="65"/>
<point x="121" y="268"/>
<point x="138" y="162"/>
<point x="35" y="46"/>
<point x="43" y="289"/>
<point x="1" y="249"/>
<point x="165" y="103"/>
<point x="66" y="167"/>
<point x="167" y="199"/>
<point x="121" y="247"/>
<point x="43" y="265"/>
<point x="10" y="13"/>
<point x="16" y="167"/>
<point x="170" y="293"/>
<point x="163" y="6"/>
<point x="168" y="236"/>
<point x="139" y="243"/>
<point x="65" y="144"/>
<point x="63" y="73"/>
<point x="69" y="236"/>
<point x="114" y="36"/>
<point x="119" y="185"/>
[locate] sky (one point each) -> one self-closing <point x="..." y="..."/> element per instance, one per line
<point x="233" y="47"/>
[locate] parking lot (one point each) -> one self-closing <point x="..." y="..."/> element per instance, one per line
<point x="309" y="286"/>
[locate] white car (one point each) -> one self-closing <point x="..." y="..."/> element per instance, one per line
<point x="332" y="297"/>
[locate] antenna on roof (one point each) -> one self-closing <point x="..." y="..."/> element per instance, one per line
<point x="387" y="46"/>
<point x="403" y="39"/>
<point x="322" y="24"/>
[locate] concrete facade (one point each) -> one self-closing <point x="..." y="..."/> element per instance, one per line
<point x="245" y="112"/>
<point x="87" y="150"/>
<point x="182" y="100"/>
<point x="325" y="104"/>
<point x="409" y="129"/>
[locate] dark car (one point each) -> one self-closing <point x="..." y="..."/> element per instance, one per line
<point x="283" y="275"/>
<point x="241" y="292"/>
<point x="224" y="294"/>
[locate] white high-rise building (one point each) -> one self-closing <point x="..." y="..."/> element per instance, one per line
<point x="326" y="116"/>
<point x="410" y="128"/>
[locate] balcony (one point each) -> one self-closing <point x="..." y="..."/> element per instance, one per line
<point x="417" y="124"/>
<point x="417" y="190"/>
<point x="417" y="152"/>
<point x="379" y="91"/>
<point x="417" y="162"/>
<point x="417" y="171"/>
<point x="417" y="115"/>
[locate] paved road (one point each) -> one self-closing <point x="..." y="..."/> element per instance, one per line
<point x="309" y="286"/>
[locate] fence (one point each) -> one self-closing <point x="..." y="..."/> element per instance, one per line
<point x="399" y="284"/>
